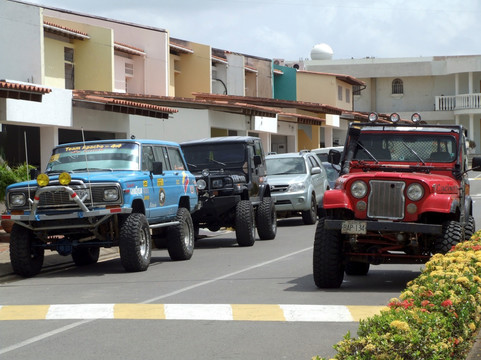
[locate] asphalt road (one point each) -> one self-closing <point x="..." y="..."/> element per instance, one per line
<point x="269" y="276"/>
<point x="226" y="302"/>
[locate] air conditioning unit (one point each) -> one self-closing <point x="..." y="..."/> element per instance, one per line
<point x="280" y="62"/>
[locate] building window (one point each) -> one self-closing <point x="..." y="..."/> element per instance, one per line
<point x="397" y="86"/>
<point x="348" y="96"/>
<point x="68" y="57"/>
<point x="339" y="92"/>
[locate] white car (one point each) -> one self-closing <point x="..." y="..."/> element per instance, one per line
<point x="322" y="153"/>
<point x="298" y="182"/>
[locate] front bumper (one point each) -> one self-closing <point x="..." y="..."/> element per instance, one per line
<point x="389" y="226"/>
<point x="291" y="202"/>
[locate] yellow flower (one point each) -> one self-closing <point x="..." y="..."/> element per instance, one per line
<point x="406" y="295"/>
<point x="463" y="280"/>
<point x="476" y="278"/>
<point x="400" y="325"/>
<point x="472" y="327"/>
<point x="370" y="348"/>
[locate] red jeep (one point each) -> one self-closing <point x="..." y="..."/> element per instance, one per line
<point x="402" y="196"/>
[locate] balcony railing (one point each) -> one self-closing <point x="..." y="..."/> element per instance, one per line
<point x="458" y="102"/>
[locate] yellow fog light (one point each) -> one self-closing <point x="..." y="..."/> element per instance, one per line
<point x="42" y="180"/>
<point x="64" y="178"/>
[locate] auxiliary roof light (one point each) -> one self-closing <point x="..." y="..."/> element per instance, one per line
<point x="416" y="118"/>
<point x="42" y="180"/>
<point x="394" y="117"/>
<point x="64" y="178"/>
<point x="373" y="117"/>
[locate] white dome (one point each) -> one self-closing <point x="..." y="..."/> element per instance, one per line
<point x="321" y="52"/>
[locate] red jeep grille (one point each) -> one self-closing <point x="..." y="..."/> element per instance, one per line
<point x="386" y="200"/>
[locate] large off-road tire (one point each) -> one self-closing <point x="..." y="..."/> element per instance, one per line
<point x="244" y="223"/>
<point x="469" y="228"/>
<point x="135" y="243"/>
<point x="309" y="217"/>
<point x="26" y="260"/>
<point x="266" y="219"/>
<point x="452" y="234"/>
<point x="357" y="268"/>
<point x="328" y="267"/>
<point x="85" y="255"/>
<point x="180" y="238"/>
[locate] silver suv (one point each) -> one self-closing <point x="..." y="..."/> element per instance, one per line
<point x="298" y="182"/>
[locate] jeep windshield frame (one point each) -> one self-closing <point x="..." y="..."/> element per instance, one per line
<point x="101" y="156"/>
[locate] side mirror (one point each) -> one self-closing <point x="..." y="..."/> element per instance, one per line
<point x="476" y="163"/>
<point x="157" y="168"/>
<point x="315" y="170"/>
<point x="257" y="160"/>
<point x="334" y="157"/>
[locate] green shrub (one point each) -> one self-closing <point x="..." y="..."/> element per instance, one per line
<point x="10" y="175"/>
<point x="436" y="316"/>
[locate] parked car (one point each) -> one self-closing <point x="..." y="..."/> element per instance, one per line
<point x="298" y="182"/>
<point x="332" y="173"/>
<point x="322" y="153"/>
<point x="233" y="192"/>
<point x="102" y="194"/>
<point x="402" y="196"/>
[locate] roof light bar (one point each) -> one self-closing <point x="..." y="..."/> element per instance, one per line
<point x="394" y="117"/>
<point x="373" y="117"/>
<point x="416" y="118"/>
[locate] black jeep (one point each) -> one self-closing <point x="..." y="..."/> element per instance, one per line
<point x="231" y="177"/>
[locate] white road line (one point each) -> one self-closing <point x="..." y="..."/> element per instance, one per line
<point x="79" y="323"/>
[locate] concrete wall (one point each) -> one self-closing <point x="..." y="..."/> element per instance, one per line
<point x="235" y="75"/>
<point x="285" y="85"/>
<point x="195" y="71"/>
<point x="21" y="56"/>
<point x="319" y="88"/>
<point x="263" y="77"/>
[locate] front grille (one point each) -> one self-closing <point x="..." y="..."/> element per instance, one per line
<point x="279" y="188"/>
<point x="386" y="200"/>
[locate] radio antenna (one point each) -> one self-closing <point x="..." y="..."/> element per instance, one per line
<point x="88" y="171"/>
<point x="27" y="169"/>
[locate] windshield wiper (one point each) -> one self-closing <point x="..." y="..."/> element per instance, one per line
<point x="414" y="152"/>
<point x="367" y="151"/>
<point x="92" y="169"/>
<point x="217" y="162"/>
<point x="192" y="165"/>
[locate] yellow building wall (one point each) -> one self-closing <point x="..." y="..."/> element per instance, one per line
<point x="195" y="71"/>
<point x="318" y="88"/>
<point x="214" y="132"/>
<point x="54" y="62"/>
<point x="93" y="58"/>
<point x="308" y="137"/>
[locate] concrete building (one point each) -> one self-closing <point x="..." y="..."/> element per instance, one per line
<point x="110" y="79"/>
<point x="443" y="89"/>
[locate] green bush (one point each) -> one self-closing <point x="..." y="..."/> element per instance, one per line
<point x="10" y="175"/>
<point x="435" y="318"/>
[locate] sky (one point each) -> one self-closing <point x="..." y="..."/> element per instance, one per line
<point x="289" y="29"/>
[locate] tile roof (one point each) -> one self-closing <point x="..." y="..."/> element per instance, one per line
<point x="346" y="78"/>
<point x="276" y="103"/>
<point x="219" y="59"/>
<point x="94" y="100"/>
<point x="180" y="48"/>
<point x="128" y="49"/>
<point x="22" y="91"/>
<point x="64" y="31"/>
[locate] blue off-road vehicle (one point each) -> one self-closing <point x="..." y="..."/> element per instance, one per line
<point x="103" y="194"/>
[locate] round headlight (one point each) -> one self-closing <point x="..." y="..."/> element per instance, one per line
<point x="373" y="117"/>
<point x="111" y="194"/>
<point x="42" y="180"/>
<point x="415" y="192"/>
<point x="205" y="172"/>
<point x="201" y="184"/>
<point x="64" y="178"/>
<point x="395" y="117"/>
<point x="17" y="199"/>
<point x="358" y="189"/>
<point x="416" y="117"/>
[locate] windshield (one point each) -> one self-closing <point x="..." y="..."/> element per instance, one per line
<point x="413" y="147"/>
<point x="215" y="155"/>
<point x="284" y="166"/>
<point x="94" y="157"/>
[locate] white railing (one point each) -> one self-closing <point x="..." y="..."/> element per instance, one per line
<point x="458" y="102"/>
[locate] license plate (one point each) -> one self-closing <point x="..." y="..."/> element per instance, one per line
<point x="353" y="227"/>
